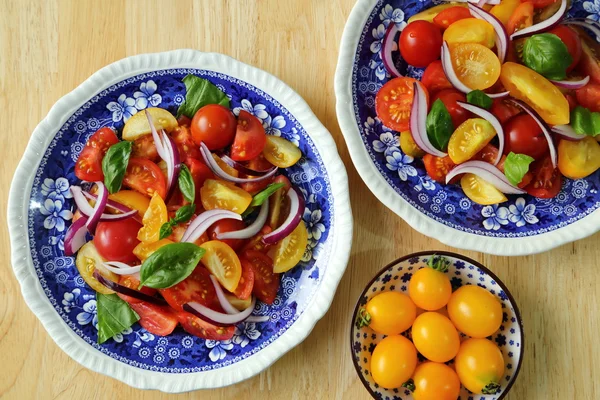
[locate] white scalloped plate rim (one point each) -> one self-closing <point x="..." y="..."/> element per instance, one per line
<point x="18" y="204"/>
<point x="388" y="196"/>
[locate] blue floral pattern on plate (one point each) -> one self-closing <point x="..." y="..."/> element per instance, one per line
<point x="521" y="216"/>
<point x="462" y="271"/>
<point x="51" y="212"/>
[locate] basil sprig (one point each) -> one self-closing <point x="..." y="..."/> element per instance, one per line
<point x="516" y="166"/>
<point x="200" y="92"/>
<point x="439" y="125"/>
<point x="547" y="55"/>
<point x="114" y="165"/>
<point x="170" y="264"/>
<point x="114" y="316"/>
<point x="182" y="215"/>
<point x="480" y="99"/>
<point x="186" y="184"/>
<point x="260" y="197"/>
<point x="585" y="122"/>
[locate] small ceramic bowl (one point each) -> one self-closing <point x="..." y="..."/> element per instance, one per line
<point x="462" y="271"/>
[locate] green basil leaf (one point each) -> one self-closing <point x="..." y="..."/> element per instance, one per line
<point x="166" y="230"/>
<point x="184" y="213"/>
<point x="480" y="99"/>
<point x="170" y="264"/>
<point x="516" y="166"/>
<point x="260" y="197"/>
<point x="200" y="92"/>
<point x="581" y="121"/>
<point x="439" y="125"/>
<point x="596" y="123"/>
<point x="114" y="316"/>
<point x="547" y="55"/>
<point x="114" y="165"/>
<point x="186" y="184"/>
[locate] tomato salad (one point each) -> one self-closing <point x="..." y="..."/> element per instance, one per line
<point x="509" y="101"/>
<point x="191" y="221"/>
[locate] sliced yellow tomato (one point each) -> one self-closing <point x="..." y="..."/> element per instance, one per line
<point x="281" y="152"/>
<point x="481" y="191"/>
<point x="226" y="167"/>
<point x="470" y="30"/>
<point x="156" y="215"/>
<point x="430" y="13"/>
<point x="240" y="304"/>
<point x="163" y="168"/>
<point x="144" y="250"/>
<point x="224" y="195"/>
<point x="537" y="91"/>
<point x="504" y="10"/>
<point x="132" y="199"/>
<point x="469" y="138"/>
<point x="408" y="145"/>
<point x="138" y="126"/>
<point x="577" y="160"/>
<point x="475" y="65"/>
<point x="223" y="263"/>
<point x="289" y="250"/>
<point x="88" y="260"/>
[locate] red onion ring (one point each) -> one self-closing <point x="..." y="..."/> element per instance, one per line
<point x="173" y="164"/>
<point x="585" y="23"/>
<point x="202" y="222"/>
<point x="136" y="294"/>
<point x="449" y="70"/>
<point x="120" y="268"/>
<point x="225" y="304"/>
<point x="544" y="25"/>
<point x="243" y="169"/>
<point x="567" y="132"/>
<point x="218" y="171"/>
<point x="487" y="172"/>
<point x="158" y="141"/>
<point x="98" y="209"/>
<point x="115" y="205"/>
<point x="75" y="236"/>
<point x="291" y="222"/>
<point x="491" y="118"/>
<point x="418" y="118"/>
<point x="500" y="31"/>
<point x="498" y="95"/>
<point x="386" y="50"/>
<point x="218" y="318"/>
<point x="573" y="85"/>
<point x="251" y="229"/>
<point x="86" y="209"/>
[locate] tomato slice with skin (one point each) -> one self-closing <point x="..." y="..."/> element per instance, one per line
<point x="200" y="173"/>
<point x="438" y="167"/>
<point x="145" y="250"/>
<point x="227" y="225"/>
<point x="138" y="126"/>
<point x="256" y="243"/>
<point x="576" y="160"/>
<point x="131" y="199"/>
<point x="259" y="163"/>
<point x="266" y="282"/>
<point x="87" y="261"/>
<point x="185" y="144"/>
<point x="504" y="10"/>
<point x="393" y="102"/>
<point x="244" y="289"/>
<point x="542" y="3"/>
<point x="224" y="195"/>
<point x="250" y="137"/>
<point x="89" y="163"/>
<point x="154" y="218"/>
<point x="197" y="287"/>
<point x="434" y="77"/>
<point x="489" y="154"/>
<point x="521" y="18"/>
<point x="547" y="180"/>
<point x="132" y="282"/>
<point x="481" y="191"/>
<point x="158" y="320"/>
<point x="589" y="96"/>
<point x="144" y="147"/>
<point x="470" y="30"/>
<point x="222" y="261"/>
<point x="146" y="177"/>
<point x="469" y="138"/>
<point x="589" y="64"/>
<point x="202" y="329"/>
<point x="281" y="152"/>
<point x="450" y="15"/>
<point x="475" y="65"/>
<point x="289" y="251"/>
<point x="504" y="110"/>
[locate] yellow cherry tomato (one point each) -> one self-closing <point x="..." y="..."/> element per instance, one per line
<point x="430" y="288"/>
<point x="481" y="191"/>
<point x="219" y="194"/>
<point x="537" y="91"/>
<point x="226" y="167"/>
<point x="475" y="65"/>
<point x="504" y="10"/>
<point x="475" y="311"/>
<point x="408" y="145"/>
<point x="289" y="251"/>
<point x="144" y="250"/>
<point x="435" y="337"/>
<point x="579" y="159"/>
<point x="281" y="152"/>
<point x="388" y="313"/>
<point x="393" y="361"/>
<point x="430" y="13"/>
<point x="138" y="126"/>
<point x="470" y="30"/>
<point x="480" y="366"/>
<point x="132" y="199"/>
<point x="154" y="217"/>
<point x="469" y="138"/>
<point x="87" y="261"/>
<point x="223" y="263"/>
<point x="435" y="381"/>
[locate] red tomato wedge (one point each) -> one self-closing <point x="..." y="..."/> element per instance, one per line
<point x="202" y="329"/>
<point x="434" y="77"/>
<point x="266" y="282"/>
<point x="196" y="287"/>
<point x="547" y="180"/>
<point x="146" y="177"/>
<point x="133" y="283"/>
<point x="155" y="319"/>
<point x="89" y="164"/>
<point x="589" y="96"/>
<point x="250" y="138"/>
<point x="244" y="289"/>
<point x="144" y="147"/>
<point x="185" y="144"/>
<point x="438" y="167"/>
<point x="200" y="173"/>
<point x="450" y="15"/>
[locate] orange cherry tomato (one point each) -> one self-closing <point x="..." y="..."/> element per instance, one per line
<point x="475" y="311"/>
<point x="388" y="313"/>
<point x="430" y="287"/>
<point x="393" y="361"/>
<point x="434" y="381"/>
<point x="435" y="337"/>
<point x="480" y="366"/>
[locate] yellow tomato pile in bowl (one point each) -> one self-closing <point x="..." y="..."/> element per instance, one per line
<point x="436" y="326"/>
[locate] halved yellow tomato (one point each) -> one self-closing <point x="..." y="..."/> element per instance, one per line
<point x="144" y="250"/>
<point x="88" y="260"/>
<point x="577" y="160"/>
<point x="504" y="10"/>
<point x="481" y="191"/>
<point x="223" y="263"/>
<point x="224" y="195"/>
<point x="138" y="126"/>
<point x="469" y="138"/>
<point x="475" y="65"/>
<point x="281" y="152"/>
<point x="470" y="30"/>
<point x="240" y="304"/>
<point x="408" y="145"/>
<point x="226" y="167"/>
<point x="430" y="13"/>
<point x="132" y="199"/>
<point x="537" y="91"/>
<point x="156" y="215"/>
<point x="289" y="250"/>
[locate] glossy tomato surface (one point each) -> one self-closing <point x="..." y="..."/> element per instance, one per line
<point x="115" y="240"/>
<point x="213" y="125"/>
<point x="420" y="43"/>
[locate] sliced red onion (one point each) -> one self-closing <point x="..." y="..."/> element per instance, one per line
<point x="86" y="209"/>
<point x="225" y="304"/>
<point x="291" y="222"/>
<point x="490" y="2"/>
<point x="173" y="164"/>
<point x="203" y="221"/>
<point x="585" y="23"/>
<point x="418" y="118"/>
<point x="386" y="50"/>
<point x="543" y="126"/>
<point x="567" y="132"/>
<point x="257" y="318"/>
<point x="243" y="169"/>
<point x="498" y="95"/>
<point x="98" y="209"/>
<point x="120" y="268"/>
<point x="573" y="85"/>
<point x="75" y="236"/>
<point x="487" y="172"/>
<point x="544" y="25"/>
<point x="218" y="318"/>
<point x="449" y="70"/>
<point x="158" y="140"/>
<point x="128" y="291"/>
<point x="501" y="34"/>
<point x="491" y="118"/>
<point x="218" y="171"/>
<point x="251" y="229"/>
<point x="481" y="3"/>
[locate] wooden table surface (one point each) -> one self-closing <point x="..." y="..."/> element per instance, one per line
<point x="49" y="47"/>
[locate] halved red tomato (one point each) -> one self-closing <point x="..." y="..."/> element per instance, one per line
<point x="133" y="283"/>
<point x="185" y="144"/>
<point x="196" y="287"/>
<point x="200" y="173"/>
<point x="434" y="77"/>
<point x="450" y="97"/>
<point x="521" y="18"/>
<point x="227" y="225"/>
<point x="589" y="96"/>
<point x="202" y="329"/>
<point x="155" y="319"/>
<point x="144" y="147"/>
<point x="258" y="163"/>
<point x="244" y="289"/>
<point x="256" y="243"/>
<point x="489" y="154"/>
<point x="547" y="180"/>
<point x="266" y="282"/>
<point x="250" y="137"/>
<point x="571" y="39"/>
<point x="504" y="110"/>
<point x="438" y="167"/>
<point x="145" y="177"/>
<point x="89" y="164"/>
<point x="394" y="101"/>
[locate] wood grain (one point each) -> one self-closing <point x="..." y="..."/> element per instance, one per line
<point x="48" y="47"/>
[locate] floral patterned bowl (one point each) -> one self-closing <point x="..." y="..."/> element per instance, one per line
<point x="40" y="210"/>
<point x="523" y="225"/>
<point x="463" y="271"/>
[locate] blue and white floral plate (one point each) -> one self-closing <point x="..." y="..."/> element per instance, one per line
<point x="462" y="271"/>
<point x="523" y="225"/>
<point x="40" y="210"/>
